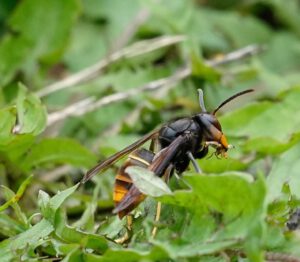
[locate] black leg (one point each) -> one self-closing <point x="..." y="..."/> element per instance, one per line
<point x="195" y="164"/>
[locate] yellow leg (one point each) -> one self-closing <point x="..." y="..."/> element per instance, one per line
<point x="166" y="177"/>
<point x="157" y="217"/>
<point x="129" y="219"/>
<point x="127" y="235"/>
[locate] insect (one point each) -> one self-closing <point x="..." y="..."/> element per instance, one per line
<point x="179" y="142"/>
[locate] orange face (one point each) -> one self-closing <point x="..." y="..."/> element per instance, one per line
<point x="224" y="146"/>
<point x="213" y="134"/>
<point x="219" y="142"/>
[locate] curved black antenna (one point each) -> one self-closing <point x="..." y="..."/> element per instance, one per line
<point x="231" y="98"/>
<point x="201" y="101"/>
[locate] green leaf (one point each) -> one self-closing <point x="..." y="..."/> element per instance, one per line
<point x="202" y="70"/>
<point x="72" y="235"/>
<point x="9" y="226"/>
<point x="32" y="115"/>
<point x="224" y="199"/>
<point x="282" y="62"/>
<point x="285" y="169"/>
<point x="87" y="219"/>
<point x="13" y="53"/>
<point x="287" y="13"/>
<point x="30" y="237"/>
<point x="147" y="182"/>
<point x="57" y="151"/>
<point x="32" y="39"/>
<point x="241" y="30"/>
<point x="63" y="248"/>
<point x="7" y="123"/>
<point x="18" y="146"/>
<point x="56" y="201"/>
<point x="18" y="195"/>
<point x="44" y="205"/>
<point x="215" y="165"/>
<point x="276" y="121"/>
<point x="49" y="206"/>
<point x="84" y="37"/>
<point x="155" y="253"/>
<point x="238" y="200"/>
<point x="267" y="145"/>
<point x="106" y="10"/>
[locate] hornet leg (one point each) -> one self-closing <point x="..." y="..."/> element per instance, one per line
<point x="159" y="205"/>
<point x="194" y="162"/>
<point x="127" y="235"/>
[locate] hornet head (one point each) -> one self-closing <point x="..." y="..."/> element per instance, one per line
<point x="212" y="130"/>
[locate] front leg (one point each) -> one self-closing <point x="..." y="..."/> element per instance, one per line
<point x="202" y="153"/>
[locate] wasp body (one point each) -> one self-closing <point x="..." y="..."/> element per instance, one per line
<point x="180" y="142"/>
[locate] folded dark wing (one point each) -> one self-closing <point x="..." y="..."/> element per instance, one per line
<point x="108" y="162"/>
<point x="159" y="164"/>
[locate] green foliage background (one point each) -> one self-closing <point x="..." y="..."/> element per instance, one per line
<point x="237" y="210"/>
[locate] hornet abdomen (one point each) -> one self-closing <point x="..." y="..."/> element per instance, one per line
<point x="140" y="157"/>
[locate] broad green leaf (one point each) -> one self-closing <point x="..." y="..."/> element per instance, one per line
<point x="57" y="151"/>
<point x="219" y="192"/>
<point x="7" y="123"/>
<point x="267" y="145"/>
<point x="239" y="201"/>
<point x="241" y="30"/>
<point x="49" y="206"/>
<point x="9" y="226"/>
<point x="282" y="62"/>
<point x="283" y="242"/>
<point x="147" y="182"/>
<point x="13" y="54"/>
<point x="85" y="36"/>
<point x="275" y="121"/>
<point x="288" y="13"/>
<point x="32" y="39"/>
<point x="30" y="237"/>
<point x="74" y="255"/>
<point x="63" y="248"/>
<point x="112" y="227"/>
<point x="56" y="201"/>
<point x="32" y="115"/>
<point x="106" y="10"/>
<point x="202" y="70"/>
<point x="180" y="250"/>
<point x="18" y="147"/>
<point x="222" y="31"/>
<point x="285" y="169"/>
<point x="215" y="165"/>
<point x="155" y="253"/>
<point x="72" y="235"/>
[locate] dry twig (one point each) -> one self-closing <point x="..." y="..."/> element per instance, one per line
<point x="95" y="70"/>
<point x="80" y="108"/>
<point x="275" y="256"/>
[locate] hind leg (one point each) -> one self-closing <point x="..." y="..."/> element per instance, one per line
<point x="128" y="233"/>
<point x="166" y="177"/>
